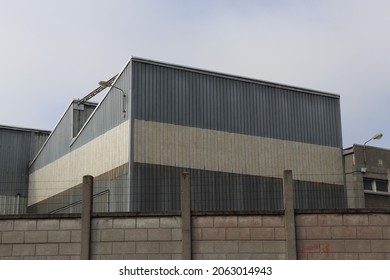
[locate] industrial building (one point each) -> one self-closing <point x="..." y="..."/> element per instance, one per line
<point x="234" y="135"/>
<point x="18" y="146"/>
<point x="367" y="173"/>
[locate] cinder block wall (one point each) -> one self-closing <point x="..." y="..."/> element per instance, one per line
<point x="238" y="237"/>
<point x="136" y="238"/>
<point x="111" y="238"/>
<point x="40" y="239"/>
<point x="345" y="234"/>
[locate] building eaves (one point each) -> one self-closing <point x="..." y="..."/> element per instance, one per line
<point x="15" y="128"/>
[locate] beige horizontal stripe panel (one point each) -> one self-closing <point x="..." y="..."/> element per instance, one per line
<point x="102" y="154"/>
<point x="190" y="147"/>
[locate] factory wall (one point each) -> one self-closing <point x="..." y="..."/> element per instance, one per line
<point x="95" y="158"/>
<point x="100" y="148"/>
<point x="236" y="134"/>
<point x="17" y="148"/>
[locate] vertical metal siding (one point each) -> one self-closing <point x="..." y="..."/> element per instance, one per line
<point x="185" y="97"/>
<point x="17" y="148"/>
<point x="11" y="205"/>
<point x="200" y="99"/>
<point x="158" y="189"/>
<point x="106" y="116"/>
<point x="58" y="142"/>
<point x="81" y="115"/>
<point x="310" y="195"/>
<point x="101" y="128"/>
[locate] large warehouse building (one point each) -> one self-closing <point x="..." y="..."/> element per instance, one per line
<point x="234" y="135"/>
<point x="18" y="146"/>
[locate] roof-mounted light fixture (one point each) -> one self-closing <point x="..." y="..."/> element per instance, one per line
<point x="106" y="84"/>
<point x="376" y="136"/>
<point x="93" y="93"/>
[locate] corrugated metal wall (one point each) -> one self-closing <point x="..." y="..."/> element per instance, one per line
<point x="81" y="113"/>
<point x="17" y="148"/>
<point x="218" y="129"/>
<point x="110" y="192"/>
<point x="157" y="188"/>
<point x="283" y="126"/>
<point x="101" y="146"/>
<point x="205" y="100"/>
<point x="11" y="205"/>
<point x="109" y="113"/>
<point x="58" y="142"/>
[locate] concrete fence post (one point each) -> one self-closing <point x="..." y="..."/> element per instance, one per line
<point x="289" y="215"/>
<point x="186" y="215"/>
<point x="86" y="212"/>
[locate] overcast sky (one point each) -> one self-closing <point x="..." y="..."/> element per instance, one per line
<point x="54" y="51"/>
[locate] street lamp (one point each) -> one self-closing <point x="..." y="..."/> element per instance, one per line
<point x="109" y="84"/>
<point x="375" y="137"/>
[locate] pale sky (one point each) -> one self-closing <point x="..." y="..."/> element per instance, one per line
<point x="54" y="51"/>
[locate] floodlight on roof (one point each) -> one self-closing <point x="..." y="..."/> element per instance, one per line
<point x="96" y="91"/>
<point x="376" y="136"/>
<point x="105" y="84"/>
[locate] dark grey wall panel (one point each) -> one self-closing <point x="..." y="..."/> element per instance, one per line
<point x="157" y="188"/>
<point x="189" y="97"/>
<point x="17" y="148"/>
<point x="311" y="195"/>
<point x="81" y="113"/>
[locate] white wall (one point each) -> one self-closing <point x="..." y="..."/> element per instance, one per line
<point x="102" y="154"/>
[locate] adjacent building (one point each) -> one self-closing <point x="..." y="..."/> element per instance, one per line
<point x="235" y="136"/>
<point x="367" y="176"/>
<point x="18" y="146"/>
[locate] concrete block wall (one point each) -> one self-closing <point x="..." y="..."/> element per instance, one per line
<point x="42" y="239"/>
<point x="139" y="238"/>
<point x="343" y="236"/>
<point x="238" y="237"/>
<point x="329" y="234"/>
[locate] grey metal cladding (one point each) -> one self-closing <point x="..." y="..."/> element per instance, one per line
<point x="183" y="96"/>
<point x="58" y="142"/>
<point x="157" y="188"/>
<point x="17" y="148"/>
<point x="107" y="115"/>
